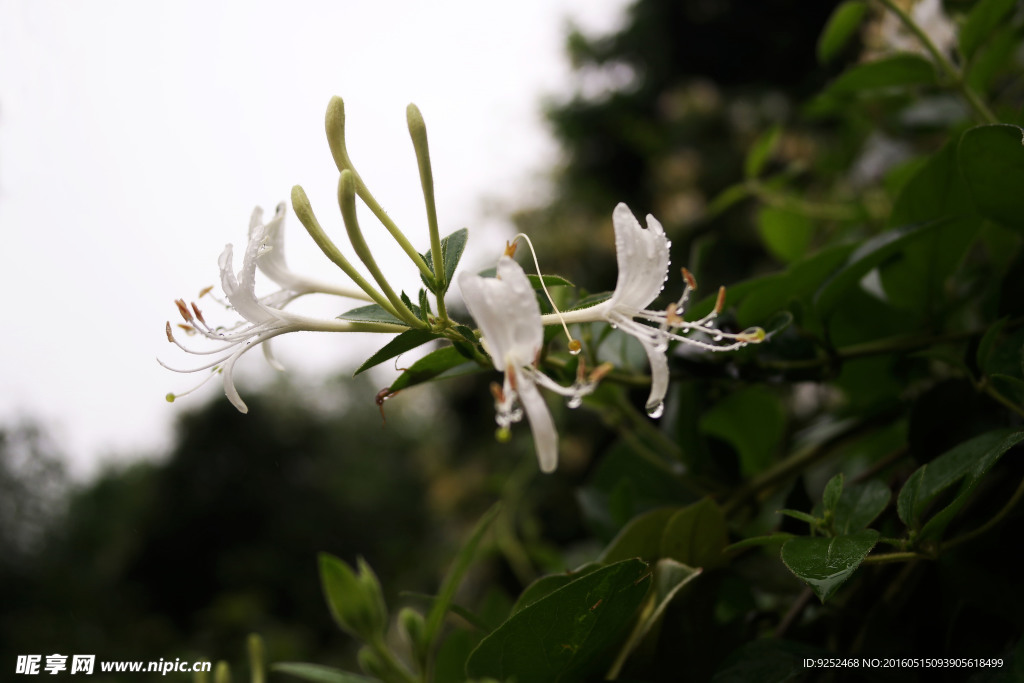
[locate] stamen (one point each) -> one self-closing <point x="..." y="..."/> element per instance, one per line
<point x="189" y="330"/>
<point x="170" y="335"/>
<point x="497" y="393"/>
<point x="720" y="302"/>
<point x="691" y="281"/>
<point x="204" y="291"/>
<point x="574" y="346"/>
<point x="510" y="247"/>
<point x="183" y="309"/>
<point x="199" y="314"/>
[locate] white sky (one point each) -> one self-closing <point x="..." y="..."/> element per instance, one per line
<point x="135" y="138"/>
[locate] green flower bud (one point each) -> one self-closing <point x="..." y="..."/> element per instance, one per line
<point x="413" y="626"/>
<point x="370" y="662"/>
<point x="356" y="601"/>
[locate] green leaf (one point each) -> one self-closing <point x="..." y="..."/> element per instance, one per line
<point x="752" y="421"/>
<point x="802" y="516"/>
<point x="372" y="313"/>
<point x="826" y="563"/>
<point x="981" y="22"/>
<point x="966" y="463"/>
<point x="786" y="234"/>
<point x="452" y="247"/>
<point x="641" y="537"/>
<point x="319" y="674"/>
<point x="867" y="257"/>
<point x="754" y="541"/>
<point x="669" y="578"/>
<point x="696" y="535"/>
<point x="992" y="162"/>
<point x="454" y="577"/>
<point x="591" y="300"/>
<point x="446" y="361"/>
<point x="406" y="341"/>
<point x="899" y="71"/>
<point x="841" y="26"/>
<point x="987" y="343"/>
<point x="546" y="585"/>
<point x="769" y="660"/>
<point x="570" y="634"/>
<point x="761" y="151"/>
<point x="424" y="307"/>
<point x="859" y="505"/>
<point x="833" y="491"/>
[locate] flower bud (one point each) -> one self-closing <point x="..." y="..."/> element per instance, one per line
<point x="356" y="601"/>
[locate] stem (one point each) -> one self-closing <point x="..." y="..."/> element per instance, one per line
<point x="954" y="77"/>
<point x="1001" y="398"/>
<point x="838" y="212"/>
<point x="1006" y="509"/>
<point x="347" y="201"/>
<point x="890" y="558"/>
<point x="335" y="124"/>
<point x="303" y="209"/>
<point x="418" y="132"/>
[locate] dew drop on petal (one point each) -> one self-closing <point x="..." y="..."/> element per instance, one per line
<point x="575" y="402"/>
<point x="656" y="410"/>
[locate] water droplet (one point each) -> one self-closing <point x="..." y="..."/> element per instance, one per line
<point x="656" y="410"/>
<point x="575" y="402"/>
<point x="614" y="326"/>
<point x="575" y="347"/>
<point x="717" y="337"/>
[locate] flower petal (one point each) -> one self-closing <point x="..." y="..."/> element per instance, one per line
<point x="643" y="258"/>
<point x="507" y="312"/>
<point x="545" y="436"/>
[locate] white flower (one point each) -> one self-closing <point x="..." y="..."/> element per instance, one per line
<point x="264" y="318"/>
<point x="271" y="262"/>
<point x="643" y="260"/>
<point x="506" y="310"/>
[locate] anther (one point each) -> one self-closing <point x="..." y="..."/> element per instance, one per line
<point x="510" y="247"/>
<point x="199" y="314"/>
<point x="720" y="302"/>
<point x="183" y="309"/>
<point x="204" y="291"/>
<point x="691" y="281"/>
<point x="497" y="393"/>
<point x="189" y="330"/>
<point x="170" y="336"/>
<point x="575" y="347"/>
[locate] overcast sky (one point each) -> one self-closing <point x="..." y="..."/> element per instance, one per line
<point x="136" y="137"/>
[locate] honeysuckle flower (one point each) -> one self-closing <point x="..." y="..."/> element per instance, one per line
<point x="270" y="261"/>
<point x="506" y="309"/>
<point x="263" y="318"/>
<point x="643" y="260"/>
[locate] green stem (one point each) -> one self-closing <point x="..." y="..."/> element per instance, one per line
<point x="1001" y="398"/>
<point x="1006" y="509"/>
<point x="418" y="132"/>
<point x="347" y="201"/>
<point x="954" y="77"/>
<point x="892" y="558"/>
<point x="303" y="209"/>
<point x="335" y="124"/>
<point x="837" y="212"/>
